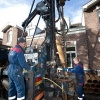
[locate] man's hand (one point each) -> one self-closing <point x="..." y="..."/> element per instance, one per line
<point x="65" y="69"/>
<point x="24" y="71"/>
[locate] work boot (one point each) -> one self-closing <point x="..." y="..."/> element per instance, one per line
<point x="83" y="97"/>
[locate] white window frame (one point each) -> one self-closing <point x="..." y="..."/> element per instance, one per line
<point x="31" y="32"/>
<point x="9" y="36"/>
<point x="70" y="52"/>
<point x="99" y="17"/>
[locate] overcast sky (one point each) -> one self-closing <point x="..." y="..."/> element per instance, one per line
<point x="16" y="11"/>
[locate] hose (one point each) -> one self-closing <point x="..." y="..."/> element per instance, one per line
<point x="56" y="85"/>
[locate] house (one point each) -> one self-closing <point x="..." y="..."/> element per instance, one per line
<point x="10" y="34"/>
<point x="81" y="40"/>
<point x="91" y="12"/>
<point x="75" y="44"/>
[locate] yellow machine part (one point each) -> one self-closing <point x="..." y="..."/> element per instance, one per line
<point x="61" y="53"/>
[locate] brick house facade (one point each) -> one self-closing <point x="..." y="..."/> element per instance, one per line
<point x="76" y="37"/>
<point x="91" y="12"/>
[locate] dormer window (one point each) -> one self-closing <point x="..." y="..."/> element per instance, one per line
<point x="31" y="32"/>
<point x="9" y="37"/>
<point x="32" y="29"/>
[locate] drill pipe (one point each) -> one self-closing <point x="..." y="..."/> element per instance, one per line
<point x="88" y="78"/>
<point x="94" y="80"/>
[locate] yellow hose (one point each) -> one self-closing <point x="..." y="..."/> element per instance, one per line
<point x="56" y="85"/>
<point x="53" y="83"/>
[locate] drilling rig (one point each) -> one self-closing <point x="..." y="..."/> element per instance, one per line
<point x="47" y="79"/>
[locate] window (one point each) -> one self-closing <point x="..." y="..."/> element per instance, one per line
<point x="31" y="32"/>
<point x="70" y="52"/>
<point x="9" y="37"/>
<point x="70" y="55"/>
<point x="99" y="17"/>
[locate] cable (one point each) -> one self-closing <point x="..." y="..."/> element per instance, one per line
<point x="56" y="85"/>
<point x="53" y="83"/>
<point x="63" y="19"/>
<point x="28" y="17"/>
<point x="35" y="30"/>
<point x="57" y="4"/>
<point x="38" y="40"/>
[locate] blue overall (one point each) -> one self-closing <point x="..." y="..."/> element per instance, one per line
<point x="16" y="77"/>
<point x="78" y="70"/>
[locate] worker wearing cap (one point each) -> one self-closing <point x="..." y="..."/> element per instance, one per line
<point x="79" y="71"/>
<point x="15" y="69"/>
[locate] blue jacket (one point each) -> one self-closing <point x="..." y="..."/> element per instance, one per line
<point x="17" y="60"/>
<point x="79" y="71"/>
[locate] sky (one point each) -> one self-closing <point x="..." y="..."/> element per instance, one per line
<point x="16" y="11"/>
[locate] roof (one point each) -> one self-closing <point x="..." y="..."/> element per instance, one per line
<point x="90" y="4"/>
<point x="8" y="25"/>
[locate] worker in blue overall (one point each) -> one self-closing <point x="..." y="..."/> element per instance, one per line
<point x="15" y="71"/>
<point x="79" y="71"/>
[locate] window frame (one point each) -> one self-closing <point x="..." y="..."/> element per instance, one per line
<point x="9" y="36"/>
<point x="99" y="18"/>
<point x="71" y="52"/>
<point x="31" y="34"/>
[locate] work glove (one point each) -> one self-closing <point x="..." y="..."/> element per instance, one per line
<point x="25" y="73"/>
<point x="65" y="69"/>
<point x="66" y="72"/>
